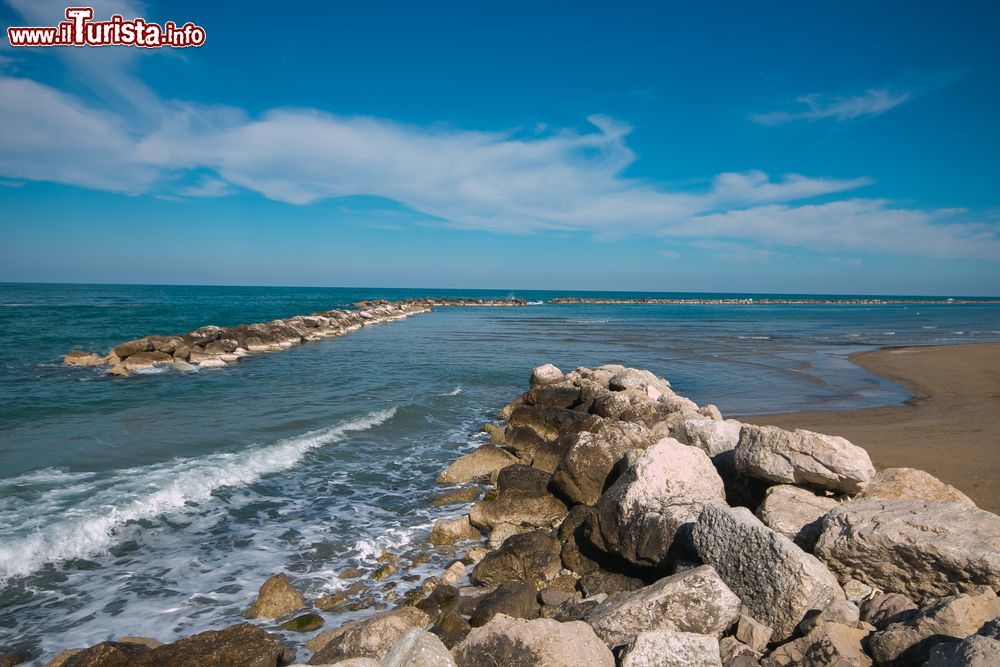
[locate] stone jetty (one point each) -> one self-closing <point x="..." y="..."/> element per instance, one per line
<point x="214" y="347"/>
<point x="620" y="523"/>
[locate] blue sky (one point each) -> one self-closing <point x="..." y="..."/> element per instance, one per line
<point x="773" y="147"/>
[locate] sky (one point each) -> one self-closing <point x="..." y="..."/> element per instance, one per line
<point x="827" y="147"/>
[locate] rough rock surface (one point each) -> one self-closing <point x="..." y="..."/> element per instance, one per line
<point x="522" y="498"/>
<point x="826" y="645"/>
<point x="658" y="496"/>
<point x="670" y="648"/>
<point x="514" y="642"/>
<point x="796" y="513"/>
<point x="951" y="618"/>
<point x="518" y="599"/>
<point x="545" y="374"/>
<point x="974" y="651"/>
<point x="417" y="648"/>
<point x="912" y="484"/>
<point x="777" y="581"/>
<point x="533" y="556"/>
<point x="709" y="435"/>
<point x="803" y="457"/>
<point x="457" y="529"/>
<point x="369" y="638"/>
<point x="276" y="598"/>
<point x="477" y="465"/>
<point x="917" y="548"/>
<point x="883" y="609"/>
<point x="695" y="600"/>
<point x="583" y="471"/>
<point x="242" y="644"/>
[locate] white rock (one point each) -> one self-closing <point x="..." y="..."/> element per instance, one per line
<point x="710" y="435"/>
<point x="418" y="648"/>
<point x="545" y="374"/>
<point x="541" y="642"/>
<point x="670" y="648"/>
<point x="796" y="513"/>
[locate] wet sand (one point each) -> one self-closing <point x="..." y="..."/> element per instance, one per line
<point x="950" y="428"/>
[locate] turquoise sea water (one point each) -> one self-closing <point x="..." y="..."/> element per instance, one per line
<point x="156" y="505"/>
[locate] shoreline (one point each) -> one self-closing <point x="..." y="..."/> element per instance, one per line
<point x="948" y="427"/>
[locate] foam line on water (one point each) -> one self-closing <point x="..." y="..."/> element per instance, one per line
<point x="89" y="527"/>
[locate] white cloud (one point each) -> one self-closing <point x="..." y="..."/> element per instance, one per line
<point x="857" y="225"/>
<point x="817" y="107"/>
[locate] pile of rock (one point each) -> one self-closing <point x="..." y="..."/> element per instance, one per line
<point x="216" y="347"/>
<point x="626" y="525"/>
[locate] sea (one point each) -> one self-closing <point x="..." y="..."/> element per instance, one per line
<point x="157" y="504"/>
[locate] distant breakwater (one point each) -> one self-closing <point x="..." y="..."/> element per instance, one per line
<point x="770" y="301"/>
<point x="214" y="347"/>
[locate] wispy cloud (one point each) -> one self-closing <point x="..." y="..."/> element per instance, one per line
<point x="872" y="102"/>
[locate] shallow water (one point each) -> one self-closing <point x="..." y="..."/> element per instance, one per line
<point x="156" y="505"/>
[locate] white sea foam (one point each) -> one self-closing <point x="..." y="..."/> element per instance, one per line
<point x="454" y="392"/>
<point x="89" y="527"/>
<point x="535" y="303"/>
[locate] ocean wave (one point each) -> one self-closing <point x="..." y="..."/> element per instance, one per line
<point x="454" y="392"/>
<point x="534" y="303"/>
<point x="90" y="527"/>
<point x="754" y="337"/>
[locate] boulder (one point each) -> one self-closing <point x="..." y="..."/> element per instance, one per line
<point x="545" y="374"/>
<point x="368" y="638"/>
<point x="844" y="612"/>
<point x="656" y="500"/>
<point x="478" y="465"/>
<point x="531" y="507"/>
<point x="973" y="651"/>
<point x="734" y="652"/>
<point x="417" y="648"/>
<point x="518" y="599"/>
<point x="826" y="645"/>
<point x="883" y="609"/>
<point x="695" y="600"/>
<point x="803" y="457"/>
<point x="709" y="435"/>
<point x="457" y="529"/>
<point x="991" y="629"/>
<point x="142" y="360"/>
<point x="583" y="471"/>
<point x="126" y="350"/>
<point x="533" y="556"/>
<point x="521" y="479"/>
<point x="461" y="495"/>
<point x="796" y="513"/>
<point x="918" y="548"/>
<point x="107" y="654"/>
<point x="276" y="598"/>
<point x="951" y="618"/>
<point x="303" y="623"/>
<point x="670" y="648"/>
<point x="912" y="484"/>
<point x="778" y="581"/>
<point x="542" y="642"/>
<point x="243" y="644"/>
<point x="451" y="628"/>
<point x="752" y="632"/>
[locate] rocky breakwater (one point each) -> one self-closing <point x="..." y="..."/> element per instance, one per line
<point x="216" y="347"/>
<point x="623" y="524"/>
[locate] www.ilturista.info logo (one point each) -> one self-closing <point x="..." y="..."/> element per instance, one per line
<point x="79" y="29"/>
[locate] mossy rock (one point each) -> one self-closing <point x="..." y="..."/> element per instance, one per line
<point x="304" y="623"/>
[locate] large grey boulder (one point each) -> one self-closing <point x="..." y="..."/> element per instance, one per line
<point x="974" y="651"/>
<point x="542" y="642"/>
<point x="418" y="648"/>
<point x="582" y="472"/>
<point x="917" y="548"/>
<point x="658" y="496"/>
<point x="670" y="648"/>
<point x="912" y="484"/>
<point x="796" y="513"/>
<point x="695" y="600"/>
<point x="951" y="618"/>
<point x="803" y="457"/>
<point x="713" y="436"/>
<point x="777" y="581"/>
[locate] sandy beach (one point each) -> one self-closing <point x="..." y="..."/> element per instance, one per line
<point x="950" y="428"/>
